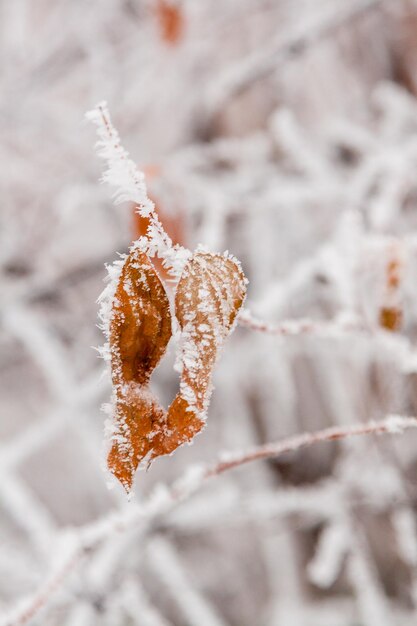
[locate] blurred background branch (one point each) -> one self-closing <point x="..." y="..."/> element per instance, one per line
<point x="286" y="132"/>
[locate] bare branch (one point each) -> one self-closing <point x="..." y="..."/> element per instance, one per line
<point x="302" y="326"/>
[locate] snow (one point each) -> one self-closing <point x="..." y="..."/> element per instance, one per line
<point x="129" y="186"/>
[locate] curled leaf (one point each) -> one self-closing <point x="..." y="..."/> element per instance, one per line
<point x="135" y="311"/>
<point x="209" y="295"/>
<point x="140" y="329"/>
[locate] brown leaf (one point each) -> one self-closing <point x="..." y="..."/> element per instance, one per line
<point x="391" y="314"/>
<point x="140" y="329"/>
<point x="209" y="295"/>
<point x="170" y="21"/>
<point x="391" y="318"/>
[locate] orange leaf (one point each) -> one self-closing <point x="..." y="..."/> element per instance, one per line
<point x="209" y="295"/>
<point x="170" y="21"/>
<point x="140" y="329"/>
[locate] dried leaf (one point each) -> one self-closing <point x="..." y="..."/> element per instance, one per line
<point x="140" y="329"/>
<point x="172" y="224"/>
<point x="170" y="21"/>
<point x="391" y="314"/>
<point x="209" y="295"/>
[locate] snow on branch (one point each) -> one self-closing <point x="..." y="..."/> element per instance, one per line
<point x="393" y="424"/>
<point x="301" y="326"/>
<point x="86" y="539"/>
<point x="167" y="566"/>
<point x="129" y="183"/>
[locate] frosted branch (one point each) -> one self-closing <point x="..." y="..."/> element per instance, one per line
<point x="163" y="501"/>
<point x="302" y="326"/>
<point x="393" y="424"/>
<point x="129" y="183"/>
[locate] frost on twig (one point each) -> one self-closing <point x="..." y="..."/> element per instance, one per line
<point x="140" y="329"/>
<point x="129" y="184"/>
<point x="209" y="296"/>
<point x="167" y="566"/>
<point x="393" y="424"/>
<point x="331" y="550"/>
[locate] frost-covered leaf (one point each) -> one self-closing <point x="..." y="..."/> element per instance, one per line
<point x="209" y="295"/>
<point x="140" y="329"/>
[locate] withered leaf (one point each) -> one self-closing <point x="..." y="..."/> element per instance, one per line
<point x="209" y="295"/>
<point x="170" y="21"/>
<point x="390" y="318"/>
<point x="140" y="329"/>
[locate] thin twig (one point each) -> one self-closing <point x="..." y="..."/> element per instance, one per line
<point x="391" y="425"/>
<point x="302" y="326"/>
<point x="338" y="328"/>
<point x="92" y="535"/>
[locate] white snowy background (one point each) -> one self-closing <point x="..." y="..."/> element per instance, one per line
<point x="284" y="131"/>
